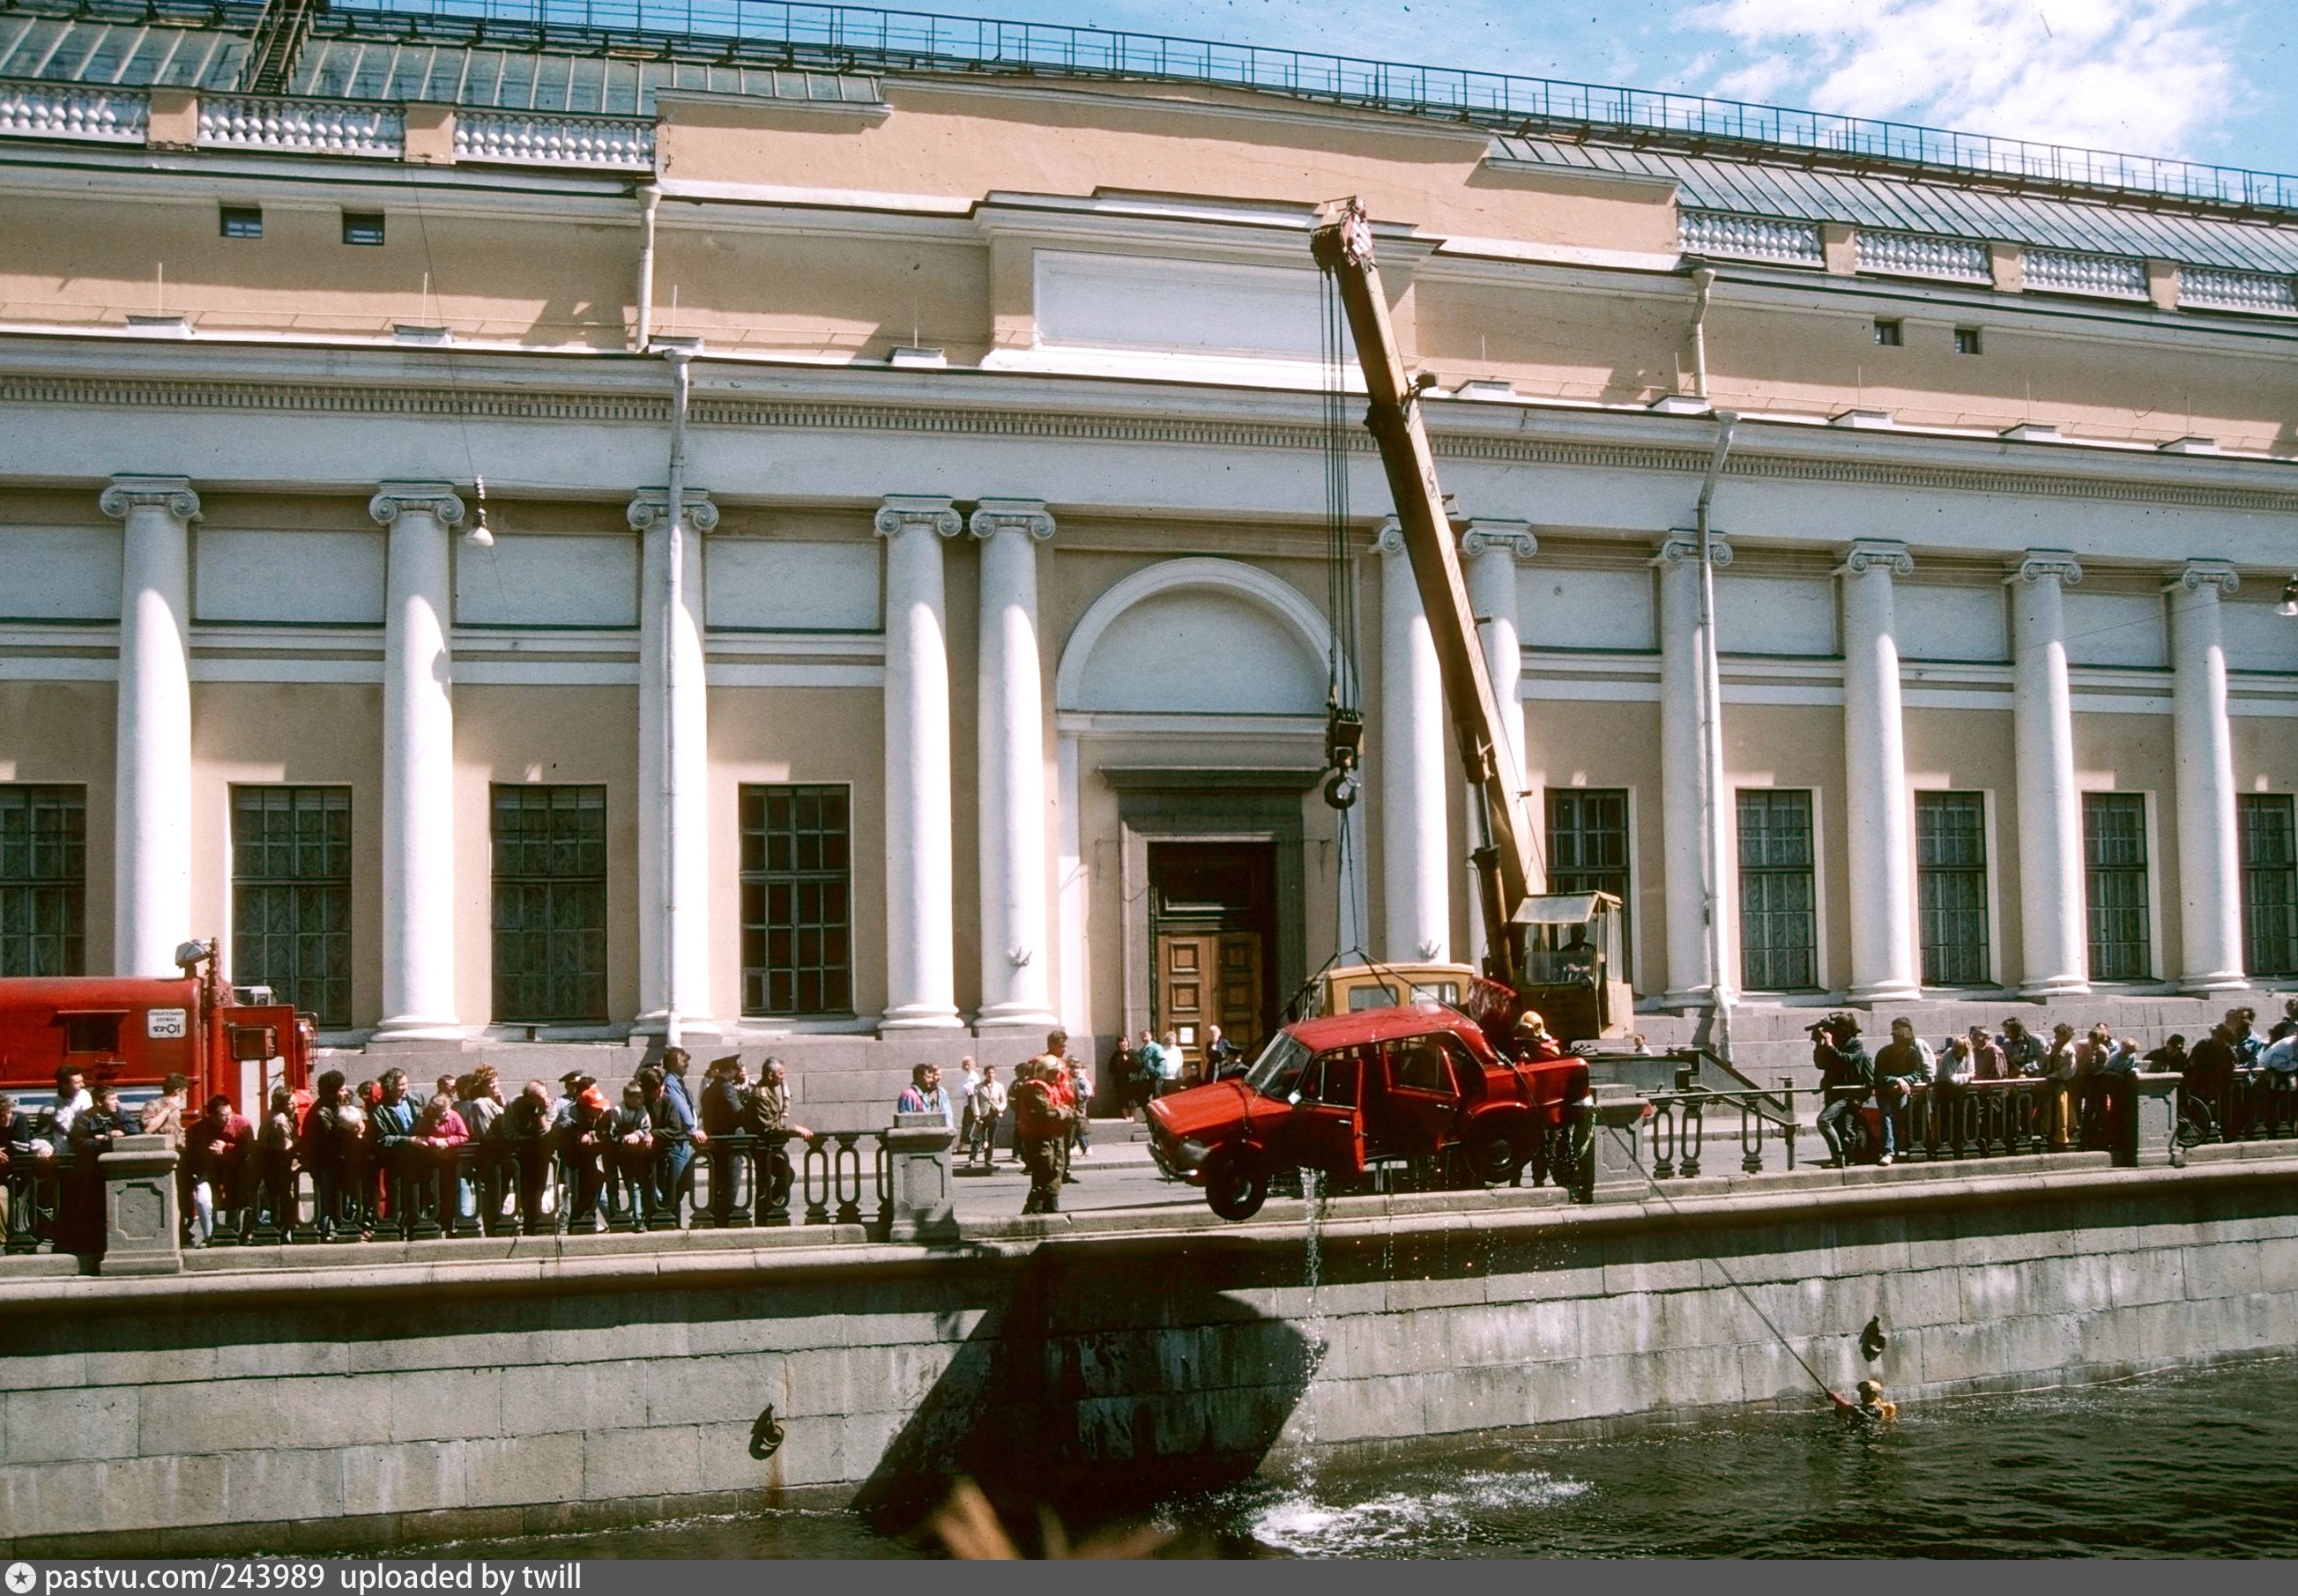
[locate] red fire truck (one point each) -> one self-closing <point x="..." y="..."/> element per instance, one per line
<point x="135" y="1032"/>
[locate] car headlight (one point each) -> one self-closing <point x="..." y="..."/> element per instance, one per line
<point x="1191" y="1154"/>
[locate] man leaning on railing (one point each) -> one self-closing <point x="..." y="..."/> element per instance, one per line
<point x="1904" y="1067"/>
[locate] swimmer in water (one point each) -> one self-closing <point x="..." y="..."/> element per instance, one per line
<point x="1871" y="1405"/>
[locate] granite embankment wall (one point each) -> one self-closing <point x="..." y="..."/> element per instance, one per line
<point x="362" y="1404"/>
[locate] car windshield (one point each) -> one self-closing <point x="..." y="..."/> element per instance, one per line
<point x="1277" y="1070"/>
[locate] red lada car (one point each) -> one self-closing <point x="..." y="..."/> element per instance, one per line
<point x="1339" y="1094"/>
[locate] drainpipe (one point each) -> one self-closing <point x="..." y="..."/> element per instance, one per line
<point x="673" y="606"/>
<point x="650" y="198"/>
<point x="1703" y="279"/>
<point x="1711" y="732"/>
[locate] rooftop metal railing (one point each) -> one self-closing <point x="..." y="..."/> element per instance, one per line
<point x="862" y="39"/>
<point x="870" y="38"/>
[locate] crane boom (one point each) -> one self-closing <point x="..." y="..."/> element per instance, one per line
<point x="1342" y="245"/>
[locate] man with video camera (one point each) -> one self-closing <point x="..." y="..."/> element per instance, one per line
<point x="1846" y="1079"/>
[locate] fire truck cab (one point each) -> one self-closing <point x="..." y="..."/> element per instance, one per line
<point x="134" y="1032"/>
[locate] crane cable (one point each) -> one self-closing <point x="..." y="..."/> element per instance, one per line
<point x="1345" y="721"/>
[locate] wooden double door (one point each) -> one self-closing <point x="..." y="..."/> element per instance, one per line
<point x="1212" y="923"/>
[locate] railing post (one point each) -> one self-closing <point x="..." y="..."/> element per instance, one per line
<point x="143" y="1224"/>
<point x="915" y="1195"/>
<point x="1788" y="1112"/>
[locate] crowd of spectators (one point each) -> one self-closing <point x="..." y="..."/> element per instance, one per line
<point x="378" y="1152"/>
<point x="2072" y="1093"/>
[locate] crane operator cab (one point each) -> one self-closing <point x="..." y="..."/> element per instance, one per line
<point x="1575" y="969"/>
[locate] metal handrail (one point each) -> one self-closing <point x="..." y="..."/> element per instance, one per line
<point x="847" y="37"/>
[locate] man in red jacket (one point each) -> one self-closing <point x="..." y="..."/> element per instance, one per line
<point x="218" y="1143"/>
<point x="1041" y="1124"/>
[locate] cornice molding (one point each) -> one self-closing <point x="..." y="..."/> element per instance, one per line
<point x="499" y="403"/>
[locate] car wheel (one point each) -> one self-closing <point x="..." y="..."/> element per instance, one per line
<point x="1237" y="1186"/>
<point x="1495" y="1157"/>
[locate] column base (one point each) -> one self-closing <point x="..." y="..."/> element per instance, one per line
<point x="1693" y="997"/>
<point x="2056" y="986"/>
<point x="419" y="1027"/>
<point x="2221" y="980"/>
<point x="1016" y="1017"/>
<point x="920" y="1016"/>
<point x="656" y="1023"/>
<point x="1890" y="991"/>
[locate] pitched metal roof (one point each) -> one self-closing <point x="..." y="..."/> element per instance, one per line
<point x="136" y="55"/>
<point x="1942" y="209"/>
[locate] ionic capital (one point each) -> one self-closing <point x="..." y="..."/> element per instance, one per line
<point x="1884" y="555"/>
<point x="172" y="494"/>
<point x="2037" y="564"/>
<point x="1029" y="516"/>
<point x="1682" y="547"/>
<point x="1485" y="536"/>
<point x="651" y="506"/>
<point x="2196" y="574"/>
<point x="435" y="499"/>
<point x="1388" y="537"/>
<point x="907" y="512"/>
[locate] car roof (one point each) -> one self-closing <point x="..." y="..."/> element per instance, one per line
<point x="1380" y="1025"/>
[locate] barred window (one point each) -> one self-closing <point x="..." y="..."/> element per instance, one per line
<point x="1951" y="888"/>
<point x="2269" y="882"/>
<point x="1779" y="902"/>
<point x="1587" y="846"/>
<point x="797" y="901"/>
<point x="291" y="897"/>
<point x="42" y="879"/>
<point x="2114" y="886"/>
<point x="550" y="904"/>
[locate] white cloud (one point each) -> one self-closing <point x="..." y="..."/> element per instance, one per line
<point x="2148" y="76"/>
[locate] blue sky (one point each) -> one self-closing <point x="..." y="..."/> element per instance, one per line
<point x="2204" y="79"/>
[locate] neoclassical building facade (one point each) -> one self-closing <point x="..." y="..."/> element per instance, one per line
<point x="977" y="683"/>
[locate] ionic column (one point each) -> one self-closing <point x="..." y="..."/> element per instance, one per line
<point x="1015" y="988"/>
<point x="1490" y="550"/>
<point x="1691" y="780"/>
<point x="2210" y="861"/>
<point x="921" y="929"/>
<point x="152" y="812"/>
<point x="674" y="768"/>
<point x="1416" y="866"/>
<point x="1883" y="966"/>
<point x="418" y="762"/>
<point x="2053" y="948"/>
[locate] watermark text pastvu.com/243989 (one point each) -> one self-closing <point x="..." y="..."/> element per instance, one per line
<point x="353" y="1578"/>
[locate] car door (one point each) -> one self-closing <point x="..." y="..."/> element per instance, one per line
<point x="1418" y="1110"/>
<point x="1326" y="1126"/>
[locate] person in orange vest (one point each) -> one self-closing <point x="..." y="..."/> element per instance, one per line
<point x="1041" y="1125"/>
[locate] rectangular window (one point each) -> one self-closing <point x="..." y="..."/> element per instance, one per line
<point x="363" y="227"/>
<point x="550" y="905"/>
<point x="2114" y="886"/>
<point x="1951" y="888"/>
<point x="1887" y="332"/>
<point x="291" y="897"/>
<point x="1779" y="898"/>
<point x="1587" y="846"/>
<point x="2269" y="830"/>
<point x="1967" y="341"/>
<point x="797" y="893"/>
<point x="242" y="221"/>
<point x="43" y="879"/>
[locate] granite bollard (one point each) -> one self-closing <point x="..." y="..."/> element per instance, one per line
<point x="142" y="1229"/>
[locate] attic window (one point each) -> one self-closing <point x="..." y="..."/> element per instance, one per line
<point x="363" y="227"/>
<point x="1967" y="341"/>
<point x="242" y="221"/>
<point x="1889" y="332"/>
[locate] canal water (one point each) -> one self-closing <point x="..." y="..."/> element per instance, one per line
<point x="2190" y="1463"/>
